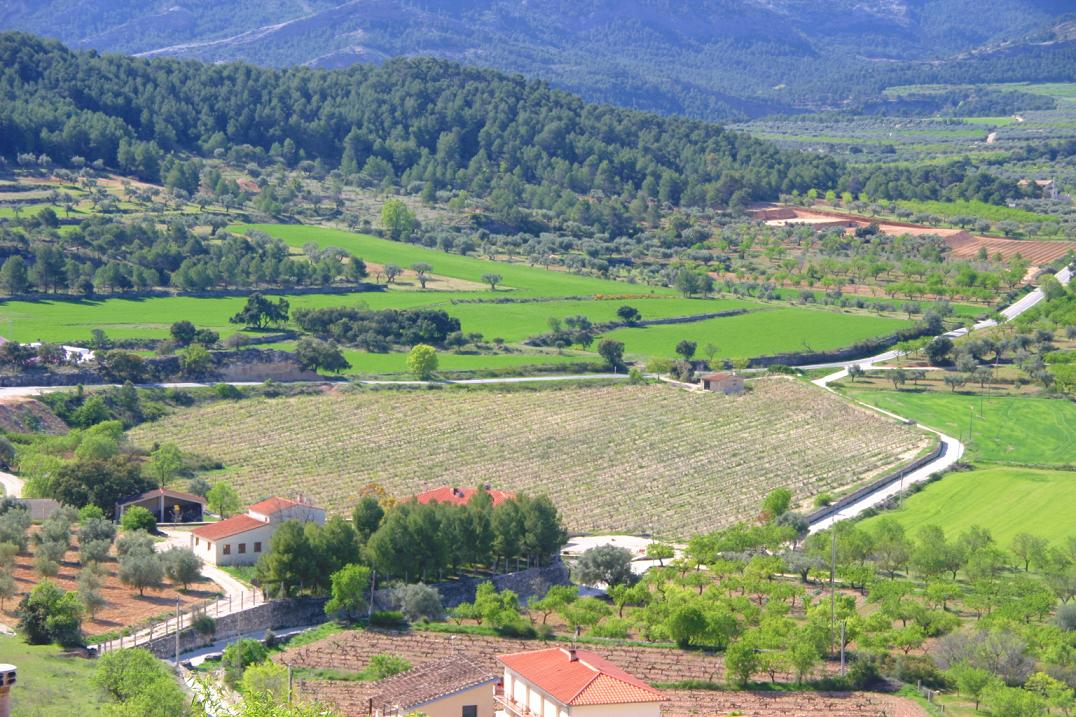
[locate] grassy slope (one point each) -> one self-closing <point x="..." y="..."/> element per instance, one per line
<point x="50" y="685"/>
<point x="525" y="280"/>
<point x="1005" y="499"/>
<point x="1031" y="431"/>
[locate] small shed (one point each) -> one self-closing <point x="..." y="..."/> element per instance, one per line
<point x="167" y="505"/>
<point x="727" y="383"/>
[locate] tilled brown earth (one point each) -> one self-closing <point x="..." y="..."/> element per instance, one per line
<point x="351" y="652"/>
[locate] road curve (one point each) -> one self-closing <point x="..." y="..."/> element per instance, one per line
<point x="952" y="448"/>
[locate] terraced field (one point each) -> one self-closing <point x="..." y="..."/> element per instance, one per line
<point x="615" y="458"/>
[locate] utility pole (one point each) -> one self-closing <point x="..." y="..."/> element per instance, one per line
<point x="842" y="648"/>
<point x="832" y="585"/>
<point x="177" y="633"/>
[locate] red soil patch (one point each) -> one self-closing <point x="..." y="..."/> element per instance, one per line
<point x="123" y="607"/>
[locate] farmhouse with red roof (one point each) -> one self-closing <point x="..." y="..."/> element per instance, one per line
<point x="460" y="496"/>
<point x="562" y="682"/>
<point x="241" y="539"/>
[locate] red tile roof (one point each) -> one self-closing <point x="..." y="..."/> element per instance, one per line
<point x="429" y="683"/>
<point x="588" y="680"/>
<point x="231" y="526"/>
<point x="272" y="505"/>
<point x="460" y="496"/>
<point x="166" y="492"/>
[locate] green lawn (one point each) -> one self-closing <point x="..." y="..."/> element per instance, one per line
<point x="776" y="330"/>
<point x="50" y="685"/>
<point x="1007" y="500"/>
<point x="1011" y="429"/>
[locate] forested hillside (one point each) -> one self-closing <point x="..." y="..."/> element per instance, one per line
<point x="716" y="59"/>
<point x="416" y="124"/>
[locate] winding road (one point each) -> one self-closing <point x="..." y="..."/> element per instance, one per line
<point x="952" y="448"/>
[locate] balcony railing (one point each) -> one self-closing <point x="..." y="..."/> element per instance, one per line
<point x="511" y="707"/>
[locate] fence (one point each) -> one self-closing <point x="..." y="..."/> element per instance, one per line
<point x="221" y="607"/>
<point x="875" y="486"/>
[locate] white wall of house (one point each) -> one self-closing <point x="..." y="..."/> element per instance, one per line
<point x="240" y="549"/>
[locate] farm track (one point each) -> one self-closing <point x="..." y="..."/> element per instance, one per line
<point x="628" y="458"/>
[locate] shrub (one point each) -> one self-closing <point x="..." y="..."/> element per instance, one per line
<point x="266" y="678"/>
<point x="239" y="655"/>
<point x="141" y="570"/>
<point x="138" y="518"/>
<point x="613" y="627"/>
<point x="919" y="668"/>
<point x="96" y="528"/>
<point x="383" y="665"/>
<point x="140" y="683"/>
<point x="227" y="391"/>
<point x="48" y="614"/>
<point x="388" y="618"/>
<point x="519" y="629"/>
<point x="136" y="541"/>
<point x="204" y="625"/>
<point x="418" y="602"/>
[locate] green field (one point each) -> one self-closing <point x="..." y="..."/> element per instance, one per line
<point x="49" y="684"/>
<point x="1022" y="430"/>
<point x="521" y="279"/>
<point x="777" y="330"/>
<point x="1007" y="500"/>
<point x="979" y="210"/>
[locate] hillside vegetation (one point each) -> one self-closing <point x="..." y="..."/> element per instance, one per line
<point x="636" y="459"/>
<point x="714" y="58"/>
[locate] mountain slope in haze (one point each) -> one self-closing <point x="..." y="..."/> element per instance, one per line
<point x="710" y="58"/>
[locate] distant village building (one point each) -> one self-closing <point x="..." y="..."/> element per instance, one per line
<point x="461" y="496"/>
<point x="1047" y="187"/>
<point x="167" y="506"/>
<point x="727" y="383"/>
<point x="241" y="539"/>
<point x="564" y="682"/>
<point x="455" y="688"/>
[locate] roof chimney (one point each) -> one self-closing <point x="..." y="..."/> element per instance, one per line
<point x="573" y="656"/>
<point x="7" y="679"/>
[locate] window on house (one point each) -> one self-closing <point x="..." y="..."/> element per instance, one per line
<point x="196" y="540"/>
<point x="227" y="549"/>
<point x="257" y="547"/>
<point x="242" y="548"/>
<point x="470" y="711"/>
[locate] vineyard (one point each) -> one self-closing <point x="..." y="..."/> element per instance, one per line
<point x="613" y="458"/>
<point x="351" y="652"/>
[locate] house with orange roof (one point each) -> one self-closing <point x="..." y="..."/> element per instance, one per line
<point x="241" y="539"/>
<point x="567" y="682"/>
<point x="461" y="496"/>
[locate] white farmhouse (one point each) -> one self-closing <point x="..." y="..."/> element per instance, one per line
<point x="241" y="539"/>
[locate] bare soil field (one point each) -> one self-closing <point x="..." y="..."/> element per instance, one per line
<point x="962" y="244"/>
<point x="25" y="415"/>
<point x="123" y="607"/>
<point x="648" y="459"/>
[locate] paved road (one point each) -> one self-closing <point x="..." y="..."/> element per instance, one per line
<point x="12" y="484"/>
<point x="952" y="449"/>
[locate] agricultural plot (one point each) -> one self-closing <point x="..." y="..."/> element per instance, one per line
<point x="1008" y="500"/>
<point x="614" y="458"/>
<point x="1003" y="429"/>
<point x="761" y="333"/>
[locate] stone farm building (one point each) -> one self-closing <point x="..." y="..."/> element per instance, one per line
<point x="563" y="682"/>
<point x="241" y="539"/>
<point x="727" y="383"/>
<point x="453" y="688"/>
<point x="166" y="505"/>
<point x="460" y="496"/>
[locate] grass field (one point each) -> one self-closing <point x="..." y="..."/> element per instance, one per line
<point x="614" y="458"/>
<point x="979" y="210"/>
<point x="1007" y="500"/>
<point x="761" y="333"/>
<point x="1022" y="430"/>
<point x="49" y="684"/>
<point x="522" y="279"/>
